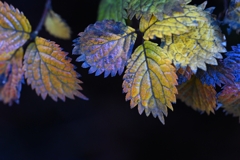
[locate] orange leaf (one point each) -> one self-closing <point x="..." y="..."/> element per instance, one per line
<point x="49" y="71"/>
<point x="197" y="95"/>
<point x="13" y="76"/>
<point x="14" y="28"/>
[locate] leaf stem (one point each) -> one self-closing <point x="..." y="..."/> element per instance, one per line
<point x="44" y="15"/>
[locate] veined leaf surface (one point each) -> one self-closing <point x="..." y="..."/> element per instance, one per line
<point x="14" y="28"/>
<point x="105" y="47"/>
<point x="150" y="80"/>
<point x="50" y="72"/>
<point x="56" y="26"/>
<point x="201" y="45"/>
<point x="177" y="23"/>
<point x="229" y="99"/>
<point x="11" y="74"/>
<point x="147" y="8"/>
<point x="199" y="96"/>
<point x="113" y="9"/>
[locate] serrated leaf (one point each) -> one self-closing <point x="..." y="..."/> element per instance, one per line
<point x="150" y="80"/>
<point x="232" y="16"/>
<point x="56" y="26"/>
<point x="11" y="70"/>
<point x="229" y="99"/>
<point x="232" y="61"/>
<point x="113" y="10"/>
<point x="201" y="45"/>
<point x="105" y="47"/>
<point x="147" y="8"/>
<point x="216" y="75"/>
<point x="50" y="72"/>
<point x="199" y="96"/>
<point x="14" y="28"/>
<point x="177" y="23"/>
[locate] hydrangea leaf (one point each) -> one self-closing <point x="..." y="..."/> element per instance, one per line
<point x="56" y="26"/>
<point x="184" y="74"/>
<point x="177" y="23"/>
<point x="199" y="96"/>
<point x="232" y="61"/>
<point x="150" y="80"/>
<point x="229" y="99"/>
<point x="50" y="72"/>
<point x="11" y="74"/>
<point x="105" y="47"/>
<point x="113" y="10"/>
<point x="201" y="45"/>
<point x="232" y="16"/>
<point x="14" y="28"/>
<point x="147" y="8"/>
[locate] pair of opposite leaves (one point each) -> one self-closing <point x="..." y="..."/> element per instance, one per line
<point x="45" y="66"/>
<point x="190" y="38"/>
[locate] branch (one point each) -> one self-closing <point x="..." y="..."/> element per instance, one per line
<point x="44" y="15"/>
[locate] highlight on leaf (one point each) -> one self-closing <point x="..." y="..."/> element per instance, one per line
<point x="113" y="10"/>
<point x="14" y="28"/>
<point x="11" y="76"/>
<point x="50" y="72"/>
<point x="150" y="80"/>
<point x="177" y="23"/>
<point x="199" y="96"/>
<point x="56" y="26"/>
<point x="229" y="100"/>
<point x="200" y="46"/>
<point x="147" y="8"/>
<point x="105" y="47"/>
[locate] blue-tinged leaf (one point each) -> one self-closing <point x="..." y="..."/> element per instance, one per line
<point x="105" y="45"/>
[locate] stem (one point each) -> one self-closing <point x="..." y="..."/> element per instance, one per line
<point x="44" y="15"/>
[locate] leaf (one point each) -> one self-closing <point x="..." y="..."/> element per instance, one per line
<point x="113" y="10"/>
<point x="184" y="75"/>
<point x="56" y="26"/>
<point x="229" y="99"/>
<point x="232" y="61"/>
<point x="147" y="8"/>
<point x="150" y="80"/>
<point x="232" y="16"/>
<point x="177" y="23"/>
<point x="216" y="75"/>
<point x="14" y="28"/>
<point x="11" y="70"/>
<point x="201" y="45"/>
<point x="49" y="71"/>
<point x="105" y="47"/>
<point x="197" y="95"/>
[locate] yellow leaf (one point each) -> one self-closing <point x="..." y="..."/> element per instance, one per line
<point x="11" y="70"/>
<point x="14" y="28"/>
<point x="49" y="71"/>
<point x="56" y="26"/>
<point x="202" y="44"/>
<point x="197" y="95"/>
<point x="150" y="80"/>
<point x="177" y="23"/>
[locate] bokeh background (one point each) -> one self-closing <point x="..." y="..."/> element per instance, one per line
<point x="105" y="128"/>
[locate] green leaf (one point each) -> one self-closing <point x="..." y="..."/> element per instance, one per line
<point x="147" y="8"/>
<point x="199" y="96"/>
<point x="150" y="80"/>
<point x="113" y="10"/>
<point x="105" y="47"/>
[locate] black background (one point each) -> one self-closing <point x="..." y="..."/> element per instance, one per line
<point x="105" y="128"/>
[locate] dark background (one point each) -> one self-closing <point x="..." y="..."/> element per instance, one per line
<point x="105" y="128"/>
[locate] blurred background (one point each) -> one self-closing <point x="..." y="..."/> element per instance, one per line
<point x="105" y="128"/>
